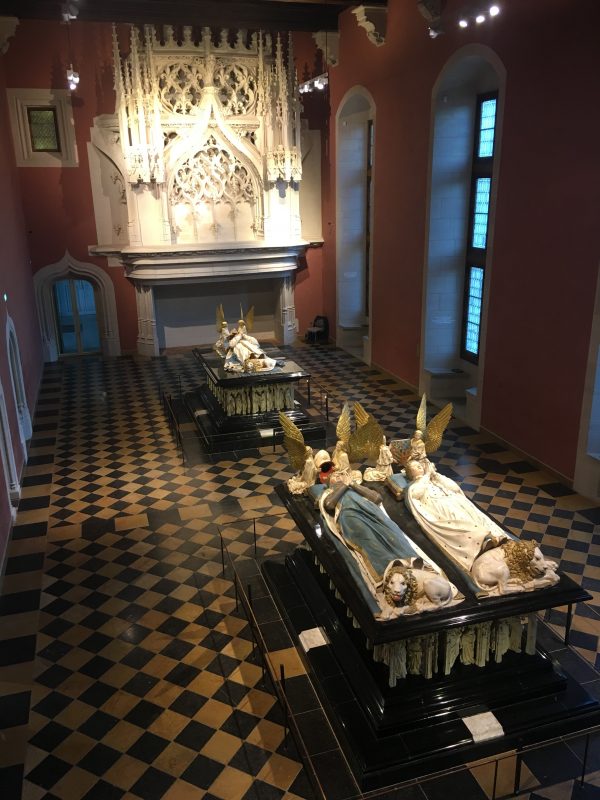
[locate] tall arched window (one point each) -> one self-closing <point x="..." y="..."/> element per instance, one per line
<point x="467" y="103"/>
<point x="355" y="143"/>
<point x="587" y="465"/>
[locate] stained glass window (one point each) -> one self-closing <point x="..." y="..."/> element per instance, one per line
<point x="487" y="127"/>
<point x="481" y="211"/>
<point x="474" y="301"/>
<point x="479" y="220"/>
<point x="43" y="130"/>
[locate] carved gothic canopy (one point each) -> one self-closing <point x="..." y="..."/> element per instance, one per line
<point x="209" y="126"/>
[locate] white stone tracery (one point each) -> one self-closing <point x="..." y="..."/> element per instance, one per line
<point x="237" y="88"/>
<point x="239" y="100"/>
<point x="202" y="158"/>
<point x="213" y="175"/>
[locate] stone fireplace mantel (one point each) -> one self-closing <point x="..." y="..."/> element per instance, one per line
<point x="226" y="261"/>
<point x="150" y="267"/>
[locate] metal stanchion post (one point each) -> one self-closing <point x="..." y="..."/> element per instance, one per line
<point x="517" y="775"/>
<point x="284" y="703"/>
<point x="222" y="551"/>
<point x="585" y="755"/>
<point x="568" y="623"/>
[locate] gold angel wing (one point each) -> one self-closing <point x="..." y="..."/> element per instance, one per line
<point x="220" y="316"/>
<point x="421" y="423"/>
<point x="293" y="441"/>
<point x="344" y="425"/>
<point x="250" y="319"/>
<point x="400" y="449"/>
<point x="360" y="415"/>
<point x="435" y="429"/>
<point x="368" y="437"/>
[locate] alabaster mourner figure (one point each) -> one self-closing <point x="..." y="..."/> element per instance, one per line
<point x="222" y="343"/>
<point x="497" y="562"/>
<point x="342" y="471"/>
<point x="383" y="467"/>
<point x="302" y="481"/>
<point x="397" y="573"/>
<point x="244" y="353"/>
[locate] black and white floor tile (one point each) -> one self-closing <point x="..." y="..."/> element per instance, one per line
<point x="126" y="670"/>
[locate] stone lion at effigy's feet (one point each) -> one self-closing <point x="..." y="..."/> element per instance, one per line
<point x="514" y="566"/>
<point x="415" y="588"/>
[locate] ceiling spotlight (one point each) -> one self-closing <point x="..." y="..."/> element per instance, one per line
<point x="494" y="11"/>
<point x="480" y="18"/>
<point x="434" y="32"/>
<point x="463" y="23"/>
<point x="69" y="11"/>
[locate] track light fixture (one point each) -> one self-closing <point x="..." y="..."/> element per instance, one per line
<point x="478" y="15"/>
<point x="319" y="83"/>
<point x="70" y="11"/>
<point x="474" y="13"/>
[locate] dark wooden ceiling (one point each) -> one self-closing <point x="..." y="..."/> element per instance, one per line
<point x="308" y="15"/>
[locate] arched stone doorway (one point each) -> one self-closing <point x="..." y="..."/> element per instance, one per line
<point x="105" y="304"/>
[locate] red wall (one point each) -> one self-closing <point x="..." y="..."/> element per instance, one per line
<point x="548" y="207"/>
<point x="16" y="282"/>
<point x="545" y="253"/>
<point x="57" y="203"/>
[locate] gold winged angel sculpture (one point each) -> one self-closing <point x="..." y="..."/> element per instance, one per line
<point x="241" y="351"/>
<point x="365" y="443"/>
<point x="425" y="440"/>
<point x="303" y="459"/>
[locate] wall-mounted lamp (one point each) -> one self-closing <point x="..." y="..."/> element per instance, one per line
<point x="72" y="78"/>
<point x="70" y="11"/>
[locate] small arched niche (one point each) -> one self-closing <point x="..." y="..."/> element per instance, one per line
<point x="18" y="384"/>
<point x="7" y="458"/>
<point x="472" y="73"/>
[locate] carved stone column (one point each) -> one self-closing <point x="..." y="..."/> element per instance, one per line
<point x="285" y="313"/>
<point x="147" y="341"/>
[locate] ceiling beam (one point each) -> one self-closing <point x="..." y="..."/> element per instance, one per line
<point x="308" y="15"/>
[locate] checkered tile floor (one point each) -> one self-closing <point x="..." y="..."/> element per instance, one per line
<point x="125" y="669"/>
